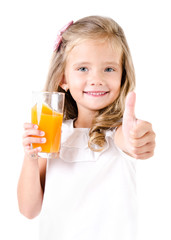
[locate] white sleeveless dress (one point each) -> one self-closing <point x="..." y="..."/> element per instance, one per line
<point x="89" y="195"/>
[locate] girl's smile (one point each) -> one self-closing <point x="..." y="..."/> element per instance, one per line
<point x="96" y="93"/>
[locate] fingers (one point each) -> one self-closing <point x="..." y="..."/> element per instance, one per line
<point x="144" y="151"/>
<point x="145" y="139"/>
<point x="32" y="135"/>
<point x="129" y="120"/>
<point x="33" y="132"/>
<point x="29" y="140"/>
<point x="144" y="156"/>
<point x="30" y="125"/>
<point x="129" y="112"/>
<point x="142" y="141"/>
<point x="140" y="129"/>
<point x="139" y="137"/>
<point x="139" y="151"/>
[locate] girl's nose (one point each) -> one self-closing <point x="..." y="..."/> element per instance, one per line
<point x="96" y="79"/>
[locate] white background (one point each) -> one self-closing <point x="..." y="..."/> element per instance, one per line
<point x="27" y="33"/>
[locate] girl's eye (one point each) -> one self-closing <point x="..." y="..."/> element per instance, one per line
<point x="109" y="69"/>
<point x="83" y="69"/>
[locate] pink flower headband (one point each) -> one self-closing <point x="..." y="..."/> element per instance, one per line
<point x="59" y="35"/>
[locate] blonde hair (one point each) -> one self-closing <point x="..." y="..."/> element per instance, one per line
<point x="102" y="28"/>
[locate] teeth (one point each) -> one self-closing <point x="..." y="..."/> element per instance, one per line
<point x="96" y="94"/>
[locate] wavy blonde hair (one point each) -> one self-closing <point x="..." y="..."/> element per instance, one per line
<point x="102" y="28"/>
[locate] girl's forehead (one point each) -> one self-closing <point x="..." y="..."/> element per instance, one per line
<point x="111" y="43"/>
<point x="92" y="47"/>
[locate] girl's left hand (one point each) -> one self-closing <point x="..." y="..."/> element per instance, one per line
<point x="139" y="137"/>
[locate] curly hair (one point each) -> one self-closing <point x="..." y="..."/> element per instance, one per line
<point x="102" y="28"/>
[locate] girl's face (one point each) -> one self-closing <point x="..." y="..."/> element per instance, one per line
<point x="93" y="75"/>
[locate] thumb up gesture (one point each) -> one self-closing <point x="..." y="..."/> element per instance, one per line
<point x="135" y="137"/>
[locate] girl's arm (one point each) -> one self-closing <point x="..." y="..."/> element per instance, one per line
<point x="135" y="137"/>
<point x="32" y="178"/>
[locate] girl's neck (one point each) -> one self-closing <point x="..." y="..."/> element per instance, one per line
<point x="84" y="121"/>
<point x="82" y="124"/>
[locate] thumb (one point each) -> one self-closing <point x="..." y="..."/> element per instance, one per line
<point x="129" y="113"/>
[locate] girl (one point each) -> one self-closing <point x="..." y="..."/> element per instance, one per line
<point x="88" y="192"/>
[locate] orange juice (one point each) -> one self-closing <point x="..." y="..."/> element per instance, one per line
<point x="50" y="122"/>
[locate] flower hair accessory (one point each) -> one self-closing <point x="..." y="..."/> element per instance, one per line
<point x="59" y="35"/>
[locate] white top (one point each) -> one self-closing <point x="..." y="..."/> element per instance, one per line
<point x="89" y="195"/>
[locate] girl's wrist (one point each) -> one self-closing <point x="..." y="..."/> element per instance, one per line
<point x="31" y="158"/>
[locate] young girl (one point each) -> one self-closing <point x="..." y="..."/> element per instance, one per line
<point x="89" y="191"/>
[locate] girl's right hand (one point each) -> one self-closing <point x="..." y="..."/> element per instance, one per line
<point x="32" y="135"/>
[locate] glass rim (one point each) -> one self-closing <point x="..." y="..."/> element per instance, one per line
<point x="46" y="92"/>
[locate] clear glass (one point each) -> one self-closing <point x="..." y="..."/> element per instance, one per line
<point x="47" y="113"/>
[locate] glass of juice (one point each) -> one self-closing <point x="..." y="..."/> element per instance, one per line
<point x="47" y="113"/>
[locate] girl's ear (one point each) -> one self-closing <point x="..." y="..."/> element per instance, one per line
<point x="63" y="84"/>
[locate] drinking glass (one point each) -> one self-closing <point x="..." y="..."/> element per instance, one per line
<point x="47" y="113"/>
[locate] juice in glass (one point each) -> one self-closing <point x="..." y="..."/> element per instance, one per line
<point x="47" y="113"/>
<point x="50" y="122"/>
